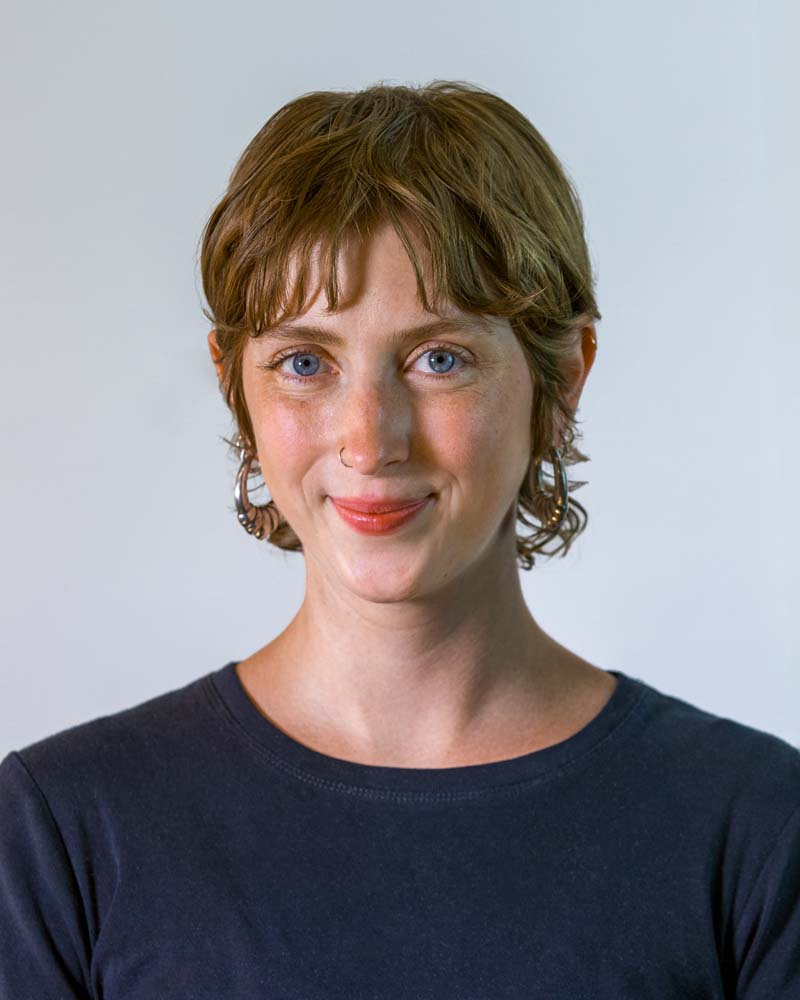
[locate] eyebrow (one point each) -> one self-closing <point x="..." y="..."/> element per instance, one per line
<point x="294" y="331"/>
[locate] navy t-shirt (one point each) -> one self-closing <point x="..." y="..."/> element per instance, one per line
<point x="188" y="849"/>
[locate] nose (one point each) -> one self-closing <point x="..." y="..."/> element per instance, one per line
<point x="375" y="425"/>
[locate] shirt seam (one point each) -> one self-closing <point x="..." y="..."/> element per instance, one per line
<point x="510" y="788"/>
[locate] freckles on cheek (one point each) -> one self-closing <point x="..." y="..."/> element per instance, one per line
<point x="285" y="455"/>
<point x="484" y="442"/>
<point x="462" y="438"/>
<point x="288" y="436"/>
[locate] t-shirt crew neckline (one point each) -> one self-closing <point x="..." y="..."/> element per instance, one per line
<point x="464" y="780"/>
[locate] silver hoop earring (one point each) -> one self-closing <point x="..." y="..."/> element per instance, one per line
<point x="252" y="517"/>
<point x="342" y="460"/>
<point x="551" y="508"/>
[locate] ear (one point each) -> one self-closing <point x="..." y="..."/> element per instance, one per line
<point x="216" y="353"/>
<point x="582" y="365"/>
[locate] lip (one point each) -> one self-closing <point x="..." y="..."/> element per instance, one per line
<point x="382" y="523"/>
<point x="378" y="505"/>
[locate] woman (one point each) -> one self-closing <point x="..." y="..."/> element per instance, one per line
<point x="413" y="790"/>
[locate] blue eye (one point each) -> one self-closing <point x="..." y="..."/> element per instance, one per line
<point x="303" y="366"/>
<point x="437" y="353"/>
<point x="306" y="364"/>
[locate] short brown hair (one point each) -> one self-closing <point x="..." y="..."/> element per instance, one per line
<point x="497" y="212"/>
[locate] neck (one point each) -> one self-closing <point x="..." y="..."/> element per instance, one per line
<point x="434" y="678"/>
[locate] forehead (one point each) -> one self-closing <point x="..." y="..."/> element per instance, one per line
<point x="376" y="279"/>
<point x="371" y="267"/>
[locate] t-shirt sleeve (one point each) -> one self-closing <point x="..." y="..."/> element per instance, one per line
<point x="767" y="935"/>
<point x="43" y="935"/>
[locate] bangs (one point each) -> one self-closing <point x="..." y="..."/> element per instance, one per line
<point x="279" y="286"/>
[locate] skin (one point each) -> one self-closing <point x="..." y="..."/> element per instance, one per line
<point x="413" y="649"/>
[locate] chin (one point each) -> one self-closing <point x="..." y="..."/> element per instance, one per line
<point x="385" y="580"/>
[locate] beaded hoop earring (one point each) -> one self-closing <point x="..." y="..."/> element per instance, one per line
<point x="551" y="508"/>
<point x="252" y="517"/>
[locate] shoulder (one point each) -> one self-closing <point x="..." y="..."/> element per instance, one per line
<point x="86" y="761"/>
<point x="701" y="731"/>
<point x="706" y="759"/>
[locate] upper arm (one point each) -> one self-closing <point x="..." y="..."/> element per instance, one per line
<point x="44" y="946"/>
<point x="767" y="931"/>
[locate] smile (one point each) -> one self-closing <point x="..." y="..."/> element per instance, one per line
<point x="380" y="524"/>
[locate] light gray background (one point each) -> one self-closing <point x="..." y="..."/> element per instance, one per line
<point x="125" y="571"/>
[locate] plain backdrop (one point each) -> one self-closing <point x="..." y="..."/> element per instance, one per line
<point x="125" y="572"/>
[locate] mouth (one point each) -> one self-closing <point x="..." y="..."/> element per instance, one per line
<point x="374" y="505"/>
<point x="372" y="523"/>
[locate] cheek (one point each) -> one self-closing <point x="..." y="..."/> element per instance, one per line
<point x="287" y="435"/>
<point x="485" y="437"/>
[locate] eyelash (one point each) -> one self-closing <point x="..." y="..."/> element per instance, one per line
<point x="446" y="348"/>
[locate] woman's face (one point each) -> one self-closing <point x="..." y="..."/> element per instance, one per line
<point x="445" y="412"/>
